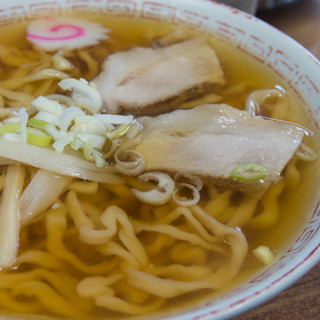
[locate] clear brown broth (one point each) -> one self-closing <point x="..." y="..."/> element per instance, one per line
<point x="239" y="68"/>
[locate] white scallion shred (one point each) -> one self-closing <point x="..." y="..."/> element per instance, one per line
<point x="51" y="106"/>
<point x="76" y="144"/>
<point x="159" y="195"/>
<point x="54" y="132"/>
<point x="14" y="119"/>
<point x="75" y="122"/>
<point x="183" y="200"/>
<point x="23" y="124"/>
<point x="89" y="124"/>
<point x="263" y="254"/>
<point x="91" y="141"/>
<point x="11" y="136"/>
<point x="60" y="143"/>
<point x="68" y="115"/>
<point x="60" y="62"/>
<point x="61" y="98"/>
<point x="99" y="158"/>
<point x="186" y="177"/>
<point x="85" y="96"/>
<point x="306" y="153"/>
<point x="129" y="162"/>
<point x="47" y="117"/>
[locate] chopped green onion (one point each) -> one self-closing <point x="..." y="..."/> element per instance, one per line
<point x="60" y="121"/>
<point x="23" y="123"/>
<point x="51" y="106"/>
<point x="88" y="147"/>
<point x="10" y="127"/>
<point x="52" y="130"/>
<point x="37" y="123"/>
<point x="306" y="153"/>
<point x="12" y="136"/>
<point x="263" y="254"/>
<point x="68" y="116"/>
<point x="76" y="144"/>
<point x="91" y="141"/>
<point x="120" y="132"/>
<point x="38" y="137"/>
<point x="249" y="172"/>
<point x="99" y="158"/>
<point x="62" y="141"/>
<point x="47" y="117"/>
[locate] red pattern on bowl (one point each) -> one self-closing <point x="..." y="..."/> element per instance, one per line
<point x="268" y="46"/>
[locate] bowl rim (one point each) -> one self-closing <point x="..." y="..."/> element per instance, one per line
<point x="287" y="49"/>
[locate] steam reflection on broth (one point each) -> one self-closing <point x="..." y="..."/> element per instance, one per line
<point x="98" y="250"/>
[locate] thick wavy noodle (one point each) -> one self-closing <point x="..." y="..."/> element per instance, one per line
<point x="93" y="249"/>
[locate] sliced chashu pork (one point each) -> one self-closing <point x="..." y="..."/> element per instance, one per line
<point x="210" y="141"/>
<point x="148" y="80"/>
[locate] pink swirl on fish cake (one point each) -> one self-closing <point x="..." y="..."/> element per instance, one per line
<point x="79" y="32"/>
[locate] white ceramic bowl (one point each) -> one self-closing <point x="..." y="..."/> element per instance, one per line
<point x="267" y="45"/>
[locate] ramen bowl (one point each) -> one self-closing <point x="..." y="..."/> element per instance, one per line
<point x="269" y="48"/>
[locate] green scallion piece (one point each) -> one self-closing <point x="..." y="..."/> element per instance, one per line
<point x="37" y="123"/>
<point x="87" y="149"/>
<point x="38" y="138"/>
<point x="263" y="254"/>
<point x="99" y="158"/>
<point x="249" y="172"/>
<point x="9" y="128"/>
<point x="76" y="144"/>
<point x="121" y="131"/>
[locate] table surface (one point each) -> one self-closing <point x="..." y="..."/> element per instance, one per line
<point x="301" y="21"/>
